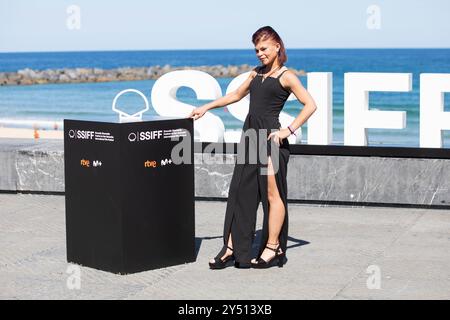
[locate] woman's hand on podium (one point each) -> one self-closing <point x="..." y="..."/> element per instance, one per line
<point x="197" y="113"/>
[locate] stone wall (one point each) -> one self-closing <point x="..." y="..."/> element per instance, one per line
<point x="29" y="166"/>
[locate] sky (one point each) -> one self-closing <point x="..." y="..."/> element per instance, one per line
<point x="87" y="25"/>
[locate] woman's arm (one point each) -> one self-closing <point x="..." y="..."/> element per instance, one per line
<point x="230" y="98"/>
<point x="291" y="82"/>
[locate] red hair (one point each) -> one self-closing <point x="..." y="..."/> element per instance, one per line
<point x="268" y="32"/>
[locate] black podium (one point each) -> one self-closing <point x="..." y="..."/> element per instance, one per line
<point x="129" y="200"/>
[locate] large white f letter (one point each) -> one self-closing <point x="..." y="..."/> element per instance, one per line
<point x="357" y="116"/>
<point x="433" y="119"/>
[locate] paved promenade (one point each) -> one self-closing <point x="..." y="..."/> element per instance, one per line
<point x="334" y="253"/>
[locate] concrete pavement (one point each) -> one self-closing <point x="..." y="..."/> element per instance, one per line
<point x="334" y="253"/>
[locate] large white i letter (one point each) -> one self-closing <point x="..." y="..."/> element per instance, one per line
<point x="320" y="125"/>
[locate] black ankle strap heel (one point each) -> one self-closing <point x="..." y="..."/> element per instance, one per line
<point x="277" y="260"/>
<point x="221" y="264"/>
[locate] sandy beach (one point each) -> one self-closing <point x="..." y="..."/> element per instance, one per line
<point x="20" y="133"/>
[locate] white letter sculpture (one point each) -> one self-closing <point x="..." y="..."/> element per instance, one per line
<point x="164" y="100"/>
<point x="357" y="116"/>
<point x="320" y="124"/>
<point x="433" y="119"/>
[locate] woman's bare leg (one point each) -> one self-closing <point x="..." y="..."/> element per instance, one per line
<point x="276" y="213"/>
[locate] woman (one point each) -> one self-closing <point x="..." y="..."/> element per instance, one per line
<point x="269" y="86"/>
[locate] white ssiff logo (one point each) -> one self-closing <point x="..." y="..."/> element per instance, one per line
<point x="81" y="134"/>
<point x="145" y="135"/>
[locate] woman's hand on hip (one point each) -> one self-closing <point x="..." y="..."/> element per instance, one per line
<point x="279" y="135"/>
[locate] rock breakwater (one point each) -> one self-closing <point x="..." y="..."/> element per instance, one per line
<point x="78" y="75"/>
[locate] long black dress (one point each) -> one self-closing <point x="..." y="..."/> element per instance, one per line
<point x="248" y="185"/>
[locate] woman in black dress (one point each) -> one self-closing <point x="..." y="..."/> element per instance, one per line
<point x="263" y="180"/>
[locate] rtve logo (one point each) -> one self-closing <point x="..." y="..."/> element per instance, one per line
<point x="150" y="164"/>
<point x="85" y="163"/>
<point x="81" y="134"/>
<point x="144" y="135"/>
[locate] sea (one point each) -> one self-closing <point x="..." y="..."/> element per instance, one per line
<point x="22" y="106"/>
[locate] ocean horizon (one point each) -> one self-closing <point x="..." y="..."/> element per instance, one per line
<point x="21" y="106"/>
